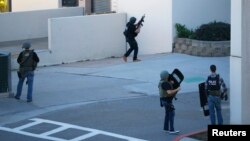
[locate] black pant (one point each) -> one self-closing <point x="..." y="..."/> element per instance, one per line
<point x="133" y="46"/>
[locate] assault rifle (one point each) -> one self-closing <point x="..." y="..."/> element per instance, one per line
<point x="141" y="21"/>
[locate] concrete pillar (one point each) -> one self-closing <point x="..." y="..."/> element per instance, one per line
<point x="88" y="7"/>
<point x="245" y="62"/>
<point x="240" y="62"/>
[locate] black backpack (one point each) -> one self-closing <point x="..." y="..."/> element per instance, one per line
<point x="34" y="63"/>
<point x="125" y="32"/>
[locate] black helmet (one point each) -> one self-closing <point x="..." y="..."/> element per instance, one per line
<point x="132" y="20"/>
<point x="164" y="74"/>
<point x="26" y="45"/>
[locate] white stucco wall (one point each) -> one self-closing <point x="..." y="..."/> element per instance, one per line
<point x="235" y="90"/>
<point x="235" y="63"/>
<point x="31" y="24"/>
<point x="193" y="13"/>
<point x="236" y="28"/>
<point x="28" y="5"/>
<point x="156" y="34"/>
<point x="239" y="62"/>
<point x="80" y="38"/>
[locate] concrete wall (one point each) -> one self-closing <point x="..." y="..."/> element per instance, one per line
<point x="193" y="13"/>
<point x="114" y="5"/>
<point x="31" y="24"/>
<point x="28" y="5"/>
<point x="239" y="62"/>
<point x="81" y="3"/>
<point x="84" y="37"/>
<point x="156" y="34"/>
<point x="202" y="48"/>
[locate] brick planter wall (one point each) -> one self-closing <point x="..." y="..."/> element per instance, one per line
<point x="201" y="48"/>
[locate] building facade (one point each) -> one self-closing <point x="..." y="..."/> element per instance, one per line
<point x="240" y="62"/>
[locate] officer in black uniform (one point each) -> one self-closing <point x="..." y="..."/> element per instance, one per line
<point x="132" y="31"/>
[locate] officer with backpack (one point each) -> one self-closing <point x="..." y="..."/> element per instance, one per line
<point x="27" y="61"/>
<point x="213" y="86"/>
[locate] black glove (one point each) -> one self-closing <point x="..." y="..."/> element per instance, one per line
<point x="222" y="96"/>
<point x="226" y="97"/>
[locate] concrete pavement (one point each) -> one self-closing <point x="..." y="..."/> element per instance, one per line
<point x="58" y="87"/>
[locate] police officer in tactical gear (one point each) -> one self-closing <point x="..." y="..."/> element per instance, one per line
<point x="27" y="61"/>
<point x="132" y="31"/>
<point x="214" y="93"/>
<point x="167" y="94"/>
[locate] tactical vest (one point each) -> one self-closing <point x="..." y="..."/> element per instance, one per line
<point x="27" y="61"/>
<point x="163" y="93"/>
<point x="214" y="83"/>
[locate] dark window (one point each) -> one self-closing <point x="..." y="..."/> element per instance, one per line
<point x="69" y="2"/>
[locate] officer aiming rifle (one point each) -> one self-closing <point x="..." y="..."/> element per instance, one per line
<point x="131" y="31"/>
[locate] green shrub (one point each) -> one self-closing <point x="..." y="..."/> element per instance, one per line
<point x="213" y="31"/>
<point x="182" y="31"/>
